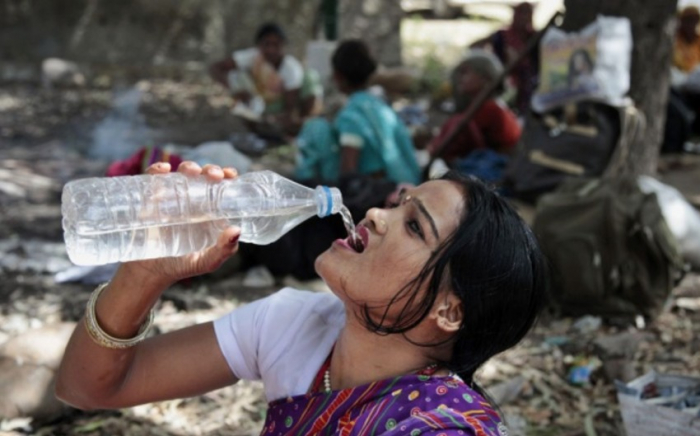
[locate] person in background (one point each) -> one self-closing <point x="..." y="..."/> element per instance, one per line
<point x="686" y="45"/>
<point x="684" y="99"/>
<point x="493" y="126"/>
<point x="367" y="137"/>
<point x="265" y="76"/>
<point x="366" y="151"/>
<point x="139" y="162"/>
<point x="507" y="44"/>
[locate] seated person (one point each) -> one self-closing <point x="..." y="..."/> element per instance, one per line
<point x="507" y="44"/>
<point x="265" y="75"/>
<point x="494" y="126"/>
<point x="685" y="81"/>
<point x="366" y="137"/>
<point x="447" y="278"/>
<point x="686" y="45"/>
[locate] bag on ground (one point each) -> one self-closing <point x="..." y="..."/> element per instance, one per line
<point x="610" y="249"/>
<point x="573" y="141"/>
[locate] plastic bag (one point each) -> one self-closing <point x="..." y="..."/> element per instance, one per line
<point x="682" y="219"/>
<point x="593" y="64"/>
<point x="220" y="153"/>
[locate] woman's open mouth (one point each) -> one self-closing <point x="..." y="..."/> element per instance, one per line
<point x="355" y="243"/>
<point x="361" y="239"/>
<point x="359" y="242"/>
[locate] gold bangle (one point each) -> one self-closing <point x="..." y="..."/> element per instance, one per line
<point x="103" y="339"/>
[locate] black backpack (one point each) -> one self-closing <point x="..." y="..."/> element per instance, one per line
<point x="576" y="140"/>
<point x="610" y="249"/>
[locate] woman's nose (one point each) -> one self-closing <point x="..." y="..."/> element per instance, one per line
<point x="377" y="219"/>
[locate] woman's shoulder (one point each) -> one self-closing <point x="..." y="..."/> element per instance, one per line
<point x="304" y="309"/>
<point x="296" y="300"/>
<point x="281" y="339"/>
<point x="366" y="99"/>
<point x="355" y="110"/>
<point x="375" y="107"/>
<point x="496" y="111"/>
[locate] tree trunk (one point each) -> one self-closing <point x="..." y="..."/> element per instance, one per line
<point x="377" y="22"/>
<point x="652" y="32"/>
<point x="213" y="45"/>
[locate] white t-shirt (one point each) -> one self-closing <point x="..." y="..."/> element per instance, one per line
<point x="282" y="339"/>
<point x="290" y="70"/>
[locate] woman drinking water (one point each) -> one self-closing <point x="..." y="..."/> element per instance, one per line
<point x="439" y="283"/>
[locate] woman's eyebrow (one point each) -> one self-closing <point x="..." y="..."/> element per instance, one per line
<point x="424" y="211"/>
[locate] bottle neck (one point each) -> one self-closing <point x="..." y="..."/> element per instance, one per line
<point x="328" y="201"/>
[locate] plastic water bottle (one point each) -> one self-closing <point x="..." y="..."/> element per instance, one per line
<point x="120" y="219"/>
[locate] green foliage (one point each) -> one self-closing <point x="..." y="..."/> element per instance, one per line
<point x="433" y="75"/>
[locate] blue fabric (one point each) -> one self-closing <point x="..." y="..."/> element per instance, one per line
<point x="384" y="143"/>
<point x="485" y="164"/>
<point x="318" y="152"/>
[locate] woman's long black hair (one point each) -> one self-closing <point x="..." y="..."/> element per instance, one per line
<point x="493" y="263"/>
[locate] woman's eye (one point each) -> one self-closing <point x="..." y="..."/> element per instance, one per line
<point x="414" y="226"/>
<point x="393" y="204"/>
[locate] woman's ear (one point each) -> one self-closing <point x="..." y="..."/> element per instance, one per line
<point x="449" y="313"/>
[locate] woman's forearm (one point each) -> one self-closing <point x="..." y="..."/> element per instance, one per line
<point x="126" y="302"/>
<point x="90" y="373"/>
<point x="106" y="366"/>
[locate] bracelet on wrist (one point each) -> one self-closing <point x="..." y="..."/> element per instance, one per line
<point x="100" y="337"/>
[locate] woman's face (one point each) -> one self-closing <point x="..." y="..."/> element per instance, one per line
<point x="397" y="244"/>
<point x="272" y="48"/>
<point x="470" y="83"/>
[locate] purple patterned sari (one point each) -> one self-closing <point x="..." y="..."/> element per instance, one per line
<point x="413" y="405"/>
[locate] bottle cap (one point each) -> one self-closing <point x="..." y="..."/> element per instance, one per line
<point x="329" y="200"/>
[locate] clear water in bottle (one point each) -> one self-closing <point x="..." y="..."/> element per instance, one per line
<point x="142" y="217"/>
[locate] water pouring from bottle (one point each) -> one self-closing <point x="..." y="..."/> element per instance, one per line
<point x="355" y="241"/>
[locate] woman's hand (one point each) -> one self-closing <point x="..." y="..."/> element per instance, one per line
<point x="166" y="271"/>
<point x="178" y="364"/>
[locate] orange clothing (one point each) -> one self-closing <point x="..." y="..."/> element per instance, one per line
<point x="686" y="55"/>
<point x="494" y="126"/>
